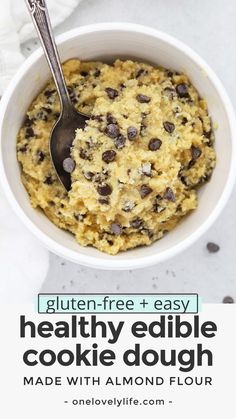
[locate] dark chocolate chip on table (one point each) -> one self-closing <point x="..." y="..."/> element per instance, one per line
<point x="169" y="126"/>
<point x="143" y="98"/>
<point x="109" y="156"/>
<point x="68" y="165"/>
<point x="169" y="195"/>
<point x="104" y="190"/>
<point x="228" y="300"/>
<point x="111" y="93"/>
<point x="112" y="131"/>
<point x="132" y="133"/>
<point x="213" y="247"/>
<point x="145" y="190"/>
<point x="182" y="90"/>
<point x="154" y="144"/>
<point x="116" y="229"/>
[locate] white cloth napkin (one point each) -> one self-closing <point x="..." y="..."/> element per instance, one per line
<point x="23" y="261"/>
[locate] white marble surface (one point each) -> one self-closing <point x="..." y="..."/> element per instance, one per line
<point x="209" y="27"/>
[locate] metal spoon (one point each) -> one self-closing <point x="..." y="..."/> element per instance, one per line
<point x="70" y="119"/>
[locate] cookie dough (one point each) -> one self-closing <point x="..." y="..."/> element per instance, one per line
<point x="138" y="163"/>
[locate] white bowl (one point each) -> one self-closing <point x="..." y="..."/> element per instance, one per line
<point x="106" y="41"/>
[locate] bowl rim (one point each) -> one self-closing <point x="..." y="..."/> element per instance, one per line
<point x="110" y="262"/>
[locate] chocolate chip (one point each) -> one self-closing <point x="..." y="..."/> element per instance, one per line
<point x="109" y="156"/>
<point x="148" y="232"/>
<point x="132" y="133"/>
<point x="48" y="110"/>
<point x="48" y="180"/>
<point x="184" y="121"/>
<point x="84" y="73"/>
<point x="68" y="165"/>
<point x="145" y="190"/>
<point x="137" y="223"/>
<point x="104" y="190"/>
<point x="40" y="156"/>
<point x="122" y="86"/>
<point x="182" y="90"/>
<point x="49" y="93"/>
<point x="143" y="98"/>
<point x="111" y="93"/>
<point x="116" y="229"/>
<point x="89" y="176"/>
<point x="169" y="126"/>
<point x="104" y="201"/>
<point x="207" y="134"/>
<point x="29" y="133"/>
<point x="23" y="149"/>
<point x="154" y="144"/>
<point x="169" y="195"/>
<point x="128" y="206"/>
<point x="111" y="119"/>
<point x="112" y="131"/>
<point x="84" y="154"/>
<point x="213" y="247"/>
<point x="141" y="72"/>
<point x="98" y="118"/>
<point x="120" y="142"/>
<point x="28" y="121"/>
<point x="169" y="92"/>
<point x="228" y="300"/>
<point x="196" y="152"/>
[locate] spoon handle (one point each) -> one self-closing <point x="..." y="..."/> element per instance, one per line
<point x="39" y="14"/>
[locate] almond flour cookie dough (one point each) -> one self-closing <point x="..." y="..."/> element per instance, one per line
<point x="138" y="163"/>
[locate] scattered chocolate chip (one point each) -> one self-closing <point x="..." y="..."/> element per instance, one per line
<point x="148" y="232"/>
<point x="98" y="118"/>
<point x="116" y="229"/>
<point x="196" y="152"/>
<point x="28" y="121"/>
<point x="228" y="300"/>
<point x="104" y="190"/>
<point x="145" y="190"/>
<point x="154" y="144"/>
<point x="111" y="93"/>
<point x="89" y="176"/>
<point x="104" y="201"/>
<point x="84" y="73"/>
<point x="122" y="86"/>
<point x="48" y="180"/>
<point x="182" y="90"/>
<point x="40" y="156"/>
<point x="184" y="121"/>
<point x="68" y="165"/>
<point x="213" y="247"/>
<point x="169" y="92"/>
<point x="169" y="195"/>
<point x="169" y="126"/>
<point x="49" y="93"/>
<point x="132" y="133"/>
<point x="141" y="72"/>
<point x="23" y="149"/>
<point x="143" y="98"/>
<point x="207" y="134"/>
<point x="137" y="223"/>
<point x="109" y="156"/>
<point x="111" y="119"/>
<point x="80" y="217"/>
<point x="29" y="133"/>
<point x="97" y="72"/>
<point x="112" y="131"/>
<point x="84" y="154"/>
<point x="120" y="142"/>
<point x="128" y="206"/>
